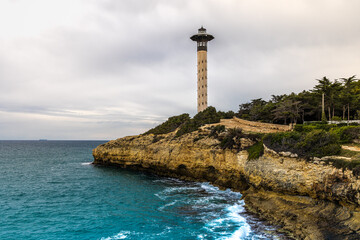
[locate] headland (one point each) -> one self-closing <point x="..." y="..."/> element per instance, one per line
<point x="306" y="198"/>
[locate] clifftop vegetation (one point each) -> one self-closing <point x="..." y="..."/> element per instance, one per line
<point x="342" y="98"/>
<point x="342" y="102"/>
<point x="187" y="124"/>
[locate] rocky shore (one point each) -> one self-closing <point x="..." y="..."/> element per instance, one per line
<point x="307" y="199"/>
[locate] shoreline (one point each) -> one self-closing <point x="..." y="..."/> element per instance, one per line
<point x="251" y="217"/>
<point x="307" y="200"/>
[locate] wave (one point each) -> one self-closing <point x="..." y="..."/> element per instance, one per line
<point x="167" y="205"/>
<point x="231" y="226"/>
<point x="244" y="230"/>
<point x="120" y="235"/>
<point x="86" y="163"/>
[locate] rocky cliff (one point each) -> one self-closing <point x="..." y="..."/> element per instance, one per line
<point x="307" y="199"/>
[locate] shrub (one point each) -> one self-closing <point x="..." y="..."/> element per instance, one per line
<point x="344" y="164"/>
<point x="231" y="140"/>
<point x="350" y="133"/>
<point x="256" y="150"/>
<point x="336" y="118"/>
<point x="208" y="116"/>
<point x="226" y="115"/>
<point x="317" y="143"/>
<point x="313" y="126"/>
<point x="170" y="125"/>
<point x="356" y="171"/>
<point x="347" y="134"/>
<point x="216" y="130"/>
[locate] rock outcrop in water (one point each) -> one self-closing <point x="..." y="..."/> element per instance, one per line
<point x="308" y="200"/>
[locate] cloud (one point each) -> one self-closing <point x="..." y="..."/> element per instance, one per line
<point x="86" y="69"/>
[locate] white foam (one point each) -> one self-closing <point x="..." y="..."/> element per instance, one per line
<point x="168" y="192"/>
<point x="232" y="217"/>
<point x="120" y="235"/>
<point x="167" y="205"/>
<point x="244" y="230"/>
<point x="212" y="189"/>
<point x="86" y="163"/>
<point x="209" y="188"/>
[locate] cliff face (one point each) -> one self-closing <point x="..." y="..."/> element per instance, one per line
<point x="309" y="200"/>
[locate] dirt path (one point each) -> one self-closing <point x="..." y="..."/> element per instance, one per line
<point x="250" y="126"/>
<point x="351" y="148"/>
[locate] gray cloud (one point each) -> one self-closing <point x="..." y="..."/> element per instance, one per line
<point x="104" y="69"/>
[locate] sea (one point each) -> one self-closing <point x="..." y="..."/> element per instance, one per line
<point x="51" y="190"/>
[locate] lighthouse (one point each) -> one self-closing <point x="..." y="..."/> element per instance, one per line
<point x="202" y="38"/>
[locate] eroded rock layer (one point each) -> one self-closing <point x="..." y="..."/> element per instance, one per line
<point x="308" y="200"/>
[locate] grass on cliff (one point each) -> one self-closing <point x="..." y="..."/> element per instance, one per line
<point x="346" y="134"/>
<point x="316" y="143"/>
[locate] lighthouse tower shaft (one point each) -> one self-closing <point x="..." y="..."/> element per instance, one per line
<point x="202" y="39"/>
<point x="202" y="99"/>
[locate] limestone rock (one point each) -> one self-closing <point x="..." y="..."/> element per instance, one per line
<point x="307" y="199"/>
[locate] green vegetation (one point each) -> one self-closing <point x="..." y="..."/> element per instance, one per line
<point x="345" y="164"/>
<point x="317" y="139"/>
<point x="231" y="139"/>
<point x="187" y="124"/>
<point x="170" y="125"/>
<point x="350" y="154"/>
<point x="208" y="116"/>
<point x="226" y="115"/>
<point x="342" y="102"/>
<point x="346" y="134"/>
<point x="317" y="143"/>
<point x="216" y="130"/>
<point x="256" y="150"/>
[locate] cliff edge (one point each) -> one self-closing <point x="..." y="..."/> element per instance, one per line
<point x="307" y="199"/>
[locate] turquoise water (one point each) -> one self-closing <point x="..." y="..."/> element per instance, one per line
<point x="49" y="190"/>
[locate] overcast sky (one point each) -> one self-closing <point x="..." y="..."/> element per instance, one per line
<point x="103" y="69"/>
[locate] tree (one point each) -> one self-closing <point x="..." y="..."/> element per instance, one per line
<point x="287" y="109"/>
<point x="347" y="94"/>
<point x="323" y="88"/>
